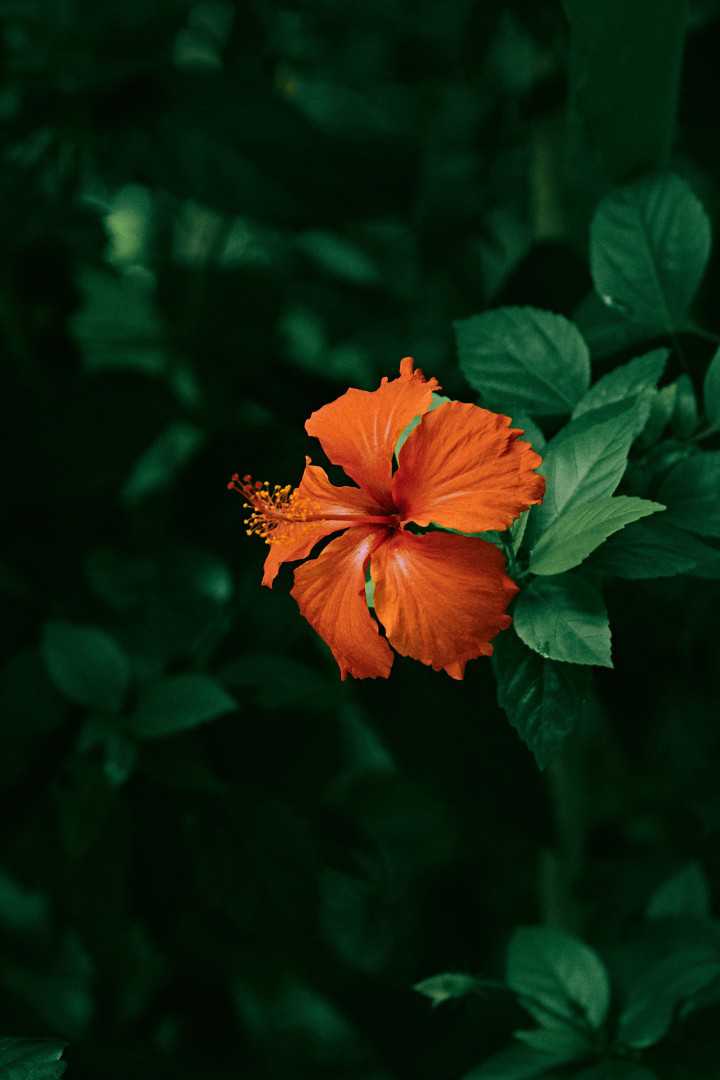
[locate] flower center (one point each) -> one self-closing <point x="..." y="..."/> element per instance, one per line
<point x="269" y="508"/>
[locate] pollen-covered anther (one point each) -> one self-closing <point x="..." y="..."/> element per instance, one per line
<point x="271" y="508"/>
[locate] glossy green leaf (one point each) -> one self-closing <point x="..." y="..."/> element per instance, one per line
<point x="557" y="977"/>
<point x="661" y="988"/>
<point x="86" y="665"/>
<point x="649" y="245"/>
<point x="685" y="412"/>
<point x="685" y="893"/>
<point x="586" y="460"/>
<point x="690" y="492"/>
<point x="524" y="359"/>
<point x="31" y="1059"/>
<point x="654" y="549"/>
<point x="711" y="392"/>
<point x="564" y="618"/>
<point x="577" y="532"/>
<point x="626" y="381"/>
<point x="544" y="700"/>
<point x="179" y="703"/>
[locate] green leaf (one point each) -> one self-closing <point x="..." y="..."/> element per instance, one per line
<point x="179" y="703"/>
<point x="557" y="977"/>
<point x="580" y="530"/>
<point x="711" y="392"/>
<point x="626" y="381"/>
<point x="531" y="432"/>
<point x="662" y="407"/>
<point x="654" y="549"/>
<point x="440" y="988"/>
<point x="31" y="1059"/>
<point x="685" y="893"/>
<point x="158" y="467"/>
<point x="564" y="618"/>
<point x="616" y="1070"/>
<point x="515" y="1063"/>
<point x="685" y="412"/>
<point x="543" y="700"/>
<point x="605" y="330"/>
<point x="86" y="665"/>
<point x="690" y="492"/>
<point x="281" y="682"/>
<point x="524" y="359"/>
<point x="624" y="82"/>
<point x="649" y="245"/>
<point x="661" y="988"/>
<point x="586" y="460"/>
<point x="566" y="1043"/>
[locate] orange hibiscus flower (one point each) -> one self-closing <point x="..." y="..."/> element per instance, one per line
<point x="441" y="597"/>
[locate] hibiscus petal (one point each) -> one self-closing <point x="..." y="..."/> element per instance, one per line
<point x="464" y="468"/>
<point x="441" y="598"/>
<point x="329" y="509"/>
<point x="358" y="430"/>
<point x="330" y="592"/>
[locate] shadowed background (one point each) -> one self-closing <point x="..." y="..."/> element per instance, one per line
<point x="216" y="218"/>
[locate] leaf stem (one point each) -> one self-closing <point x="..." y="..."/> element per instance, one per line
<point x="701" y="332"/>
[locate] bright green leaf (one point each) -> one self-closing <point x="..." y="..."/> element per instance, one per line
<point x="685" y="413"/>
<point x="711" y="392"/>
<point x="685" y="893"/>
<point x="626" y="381"/>
<point x="524" y="359"/>
<point x="580" y="530"/>
<point x="586" y="460"/>
<point x="654" y="549"/>
<point x="690" y="492"/>
<point x="556" y="977"/>
<point x="179" y="703"/>
<point x="86" y="665"/>
<point x="544" y="700"/>
<point x="661" y="988"/>
<point x="31" y="1059"/>
<point x="649" y="245"/>
<point x="564" y="618"/>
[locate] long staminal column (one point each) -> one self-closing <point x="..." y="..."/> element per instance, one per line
<point x="270" y="507"/>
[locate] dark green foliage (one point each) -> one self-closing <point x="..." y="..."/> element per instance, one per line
<point x="217" y="859"/>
